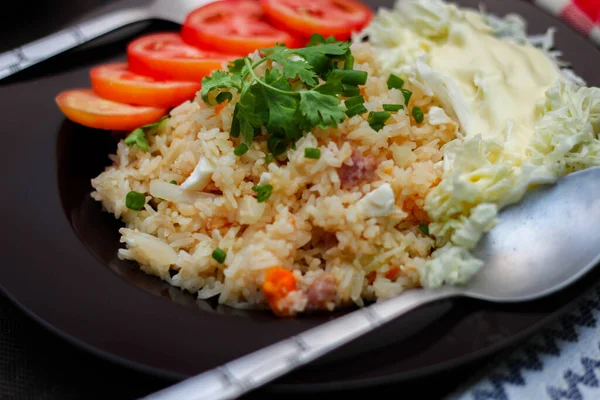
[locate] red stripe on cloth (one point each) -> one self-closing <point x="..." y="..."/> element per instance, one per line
<point x="574" y="16"/>
<point x="590" y="7"/>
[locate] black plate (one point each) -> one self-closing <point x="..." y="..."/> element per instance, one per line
<point x="60" y="254"/>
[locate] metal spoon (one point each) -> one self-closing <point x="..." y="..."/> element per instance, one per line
<point x="541" y="245"/>
<point x="33" y="53"/>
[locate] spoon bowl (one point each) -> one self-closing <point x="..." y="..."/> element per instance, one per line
<point x="543" y="243"/>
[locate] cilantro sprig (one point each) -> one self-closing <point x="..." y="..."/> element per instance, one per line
<point x="138" y="136"/>
<point x="300" y="90"/>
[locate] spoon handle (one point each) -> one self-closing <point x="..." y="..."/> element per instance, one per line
<point x="33" y="53"/>
<point x="256" y="369"/>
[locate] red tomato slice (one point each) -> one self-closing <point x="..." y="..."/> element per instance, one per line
<point x="233" y="26"/>
<point x="117" y="83"/>
<point x="167" y="56"/>
<point x="85" y="107"/>
<point x="337" y="18"/>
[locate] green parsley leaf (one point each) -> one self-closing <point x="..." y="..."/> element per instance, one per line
<point x="332" y="87"/>
<point x="137" y="137"/>
<point x="173" y="182"/>
<point x="237" y="66"/>
<point x="424" y="228"/>
<point x="282" y="108"/>
<point x="219" y="80"/>
<point x="321" y="110"/>
<point x="302" y="70"/>
<point x="269" y="158"/>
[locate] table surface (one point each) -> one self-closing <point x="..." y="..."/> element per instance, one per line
<point x="37" y="364"/>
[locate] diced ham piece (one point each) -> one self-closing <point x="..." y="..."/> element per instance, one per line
<point x="322" y="292"/>
<point x="362" y="169"/>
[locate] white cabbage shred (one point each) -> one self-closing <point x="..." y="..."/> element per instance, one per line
<point x="481" y="176"/>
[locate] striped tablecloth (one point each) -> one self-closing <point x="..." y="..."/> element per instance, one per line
<point x="563" y="360"/>
<point x="584" y="15"/>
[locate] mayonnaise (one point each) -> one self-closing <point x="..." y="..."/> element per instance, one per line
<point x="500" y="81"/>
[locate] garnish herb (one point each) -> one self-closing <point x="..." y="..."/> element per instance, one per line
<point x="313" y="154"/>
<point x="417" y="114"/>
<point x="135" y="201"/>
<point x="356" y="110"/>
<point x="349" y="61"/>
<point x="392" y="107"/>
<point x="241" y="150"/>
<point x="350" y="91"/>
<point x="377" y="119"/>
<point x="407" y="95"/>
<point x="354" y="101"/>
<point x="272" y="102"/>
<point x="395" y="82"/>
<point x="219" y="255"/>
<point x="269" y="158"/>
<point x="138" y="136"/>
<point x="263" y="192"/>
<point x="173" y="182"/>
<point x="424" y="228"/>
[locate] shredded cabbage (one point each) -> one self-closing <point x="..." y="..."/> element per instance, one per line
<point x="566" y="136"/>
<point x="480" y="175"/>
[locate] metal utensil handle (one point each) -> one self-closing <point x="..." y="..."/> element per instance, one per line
<point x="23" y="57"/>
<point x="256" y="369"/>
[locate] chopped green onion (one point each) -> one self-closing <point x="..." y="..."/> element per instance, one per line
<point x="241" y="150"/>
<point x="377" y="119"/>
<point x="351" y="91"/>
<point x="313" y="154"/>
<point x="424" y="228"/>
<point x="356" y="110"/>
<point x="395" y="82"/>
<point x="223" y="97"/>
<point x="276" y="145"/>
<point x="417" y="114"/>
<point x="350" y="77"/>
<point x="219" y="255"/>
<point x="407" y="95"/>
<point x="354" y="101"/>
<point x="392" y="107"/>
<point x="269" y="158"/>
<point x="263" y="192"/>
<point x="173" y="182"/>
<point x="135" y="201"/>
<point x="349" y="61"/>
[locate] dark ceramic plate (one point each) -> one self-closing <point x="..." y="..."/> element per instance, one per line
<point x="60" y="260"/>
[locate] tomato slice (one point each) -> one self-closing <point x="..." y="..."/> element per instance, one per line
<point x="167" y="56"/>
<point x="85" y="107"/>
<point x="233" y="26"/>
<point x="338" y="18"/>
<point x="117" y="83"/>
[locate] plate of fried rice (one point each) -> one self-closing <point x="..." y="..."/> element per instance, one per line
<point x="296" y="184"/>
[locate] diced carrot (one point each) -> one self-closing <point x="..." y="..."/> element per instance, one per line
<point x="393" y="273"/>
<point x="278" y="283"/>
